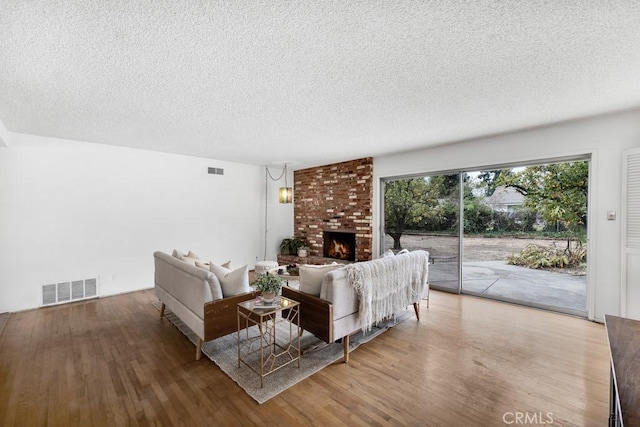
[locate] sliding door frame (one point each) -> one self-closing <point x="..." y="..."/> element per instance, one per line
<point x="382" y="233"/>
<point x="589" y="157"/>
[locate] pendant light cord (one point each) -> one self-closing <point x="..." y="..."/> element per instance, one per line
<point x="266" y="211"/>
<point x="284" y="171"/>
<point x="266" y="201"/>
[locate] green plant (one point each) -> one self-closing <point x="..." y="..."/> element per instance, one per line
<point x="477" y="215"/>
<point x="290" y="245"/>
<point x="268" y="283"/>
<point x="557" y="191"/>
<point x="405" y="203"/>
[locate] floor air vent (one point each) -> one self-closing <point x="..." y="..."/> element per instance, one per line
<point x="59" y="293"/>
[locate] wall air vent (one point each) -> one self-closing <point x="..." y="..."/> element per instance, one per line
<point x="216" y="171"/>
<point x="59" y="293"/>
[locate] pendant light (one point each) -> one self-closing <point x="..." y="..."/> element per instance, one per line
<point x="285" y="194"/>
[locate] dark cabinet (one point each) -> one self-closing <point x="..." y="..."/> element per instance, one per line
<point x="624" y="345"/>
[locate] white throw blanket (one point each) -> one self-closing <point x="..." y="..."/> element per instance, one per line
<point x="388" y="285"/>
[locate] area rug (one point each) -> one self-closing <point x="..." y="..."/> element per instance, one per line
<point x="316" y="355"/>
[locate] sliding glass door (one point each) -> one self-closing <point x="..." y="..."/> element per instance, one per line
<point x="516" y="234"/>
<point x="525" y="235"/>
<point x="423" y="213"/>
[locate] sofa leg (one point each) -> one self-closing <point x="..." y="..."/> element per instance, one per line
<point x="345" y="346"/>
<point x="198" y="348"/>
<point x="162" y="310"/>
<point x="416" y="308"/>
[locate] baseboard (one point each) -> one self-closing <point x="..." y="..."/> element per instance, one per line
<point x="124" y="292"/>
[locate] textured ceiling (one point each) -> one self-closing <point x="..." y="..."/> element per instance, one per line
<point x="311" y="82"/>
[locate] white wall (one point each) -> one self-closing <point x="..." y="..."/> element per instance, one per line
<point x="279" y="216"/>
<point x="4" y="135"/>
<point x="72" y="210"/>
<point x="603" y="137"/>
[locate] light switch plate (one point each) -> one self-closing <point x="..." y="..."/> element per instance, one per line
<point x="611" y="215"/>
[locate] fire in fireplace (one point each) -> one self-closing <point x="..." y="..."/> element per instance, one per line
<point x="339" y="245"/>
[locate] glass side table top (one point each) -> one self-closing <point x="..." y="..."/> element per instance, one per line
<point x="260" y="307"/>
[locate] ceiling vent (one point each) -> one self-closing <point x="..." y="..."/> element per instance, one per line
<point x="64" y="292"/>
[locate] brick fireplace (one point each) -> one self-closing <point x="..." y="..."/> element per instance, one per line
<point x="338" y="199"/>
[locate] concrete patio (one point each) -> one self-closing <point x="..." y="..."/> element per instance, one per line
<point x="497" y="279"/>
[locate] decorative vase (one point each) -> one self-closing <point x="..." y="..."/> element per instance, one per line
<point x="268" y="297"/>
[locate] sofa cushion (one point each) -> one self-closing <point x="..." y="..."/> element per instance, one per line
<point x="311" y="277"/>
<point x="232" y="282"/>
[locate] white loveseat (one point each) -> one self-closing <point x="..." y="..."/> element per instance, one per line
<point x="195" y="296"/>
<point x="337" y="311"/>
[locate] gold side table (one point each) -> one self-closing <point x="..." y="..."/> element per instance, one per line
<point x="269" y="351"/>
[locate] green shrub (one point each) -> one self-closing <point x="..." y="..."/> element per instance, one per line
<point x="522" y="220"/>
<point x="477" y="216"/>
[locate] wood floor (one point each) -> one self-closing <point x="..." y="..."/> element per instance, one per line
<point x="467" y="362"/>
<point x="3" y="320"/>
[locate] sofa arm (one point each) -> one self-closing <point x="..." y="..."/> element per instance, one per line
<point x="221" y="316"/>
<point x="316" y="315"/>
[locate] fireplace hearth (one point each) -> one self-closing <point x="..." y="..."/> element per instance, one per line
<point x="339" y="245"/>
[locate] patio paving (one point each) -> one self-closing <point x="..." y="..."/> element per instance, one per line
<point x="498" y="279"/>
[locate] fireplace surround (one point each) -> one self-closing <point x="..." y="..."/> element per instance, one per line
<point x="339" y="245"/>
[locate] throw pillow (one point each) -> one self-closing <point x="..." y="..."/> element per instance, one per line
<point x="234" y="282"/>
<point x="227" y="266"/>
<point x="177" y="254"/>
<point x="201" y="264"/>
<point x="311" y="277"/>
<point x="191" y="258"/>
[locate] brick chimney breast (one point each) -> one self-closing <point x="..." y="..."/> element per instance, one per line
<point x="336" y="197"/>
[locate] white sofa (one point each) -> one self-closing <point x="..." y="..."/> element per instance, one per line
<point x="336" y="312"/>
<point x="194" y="295"/>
